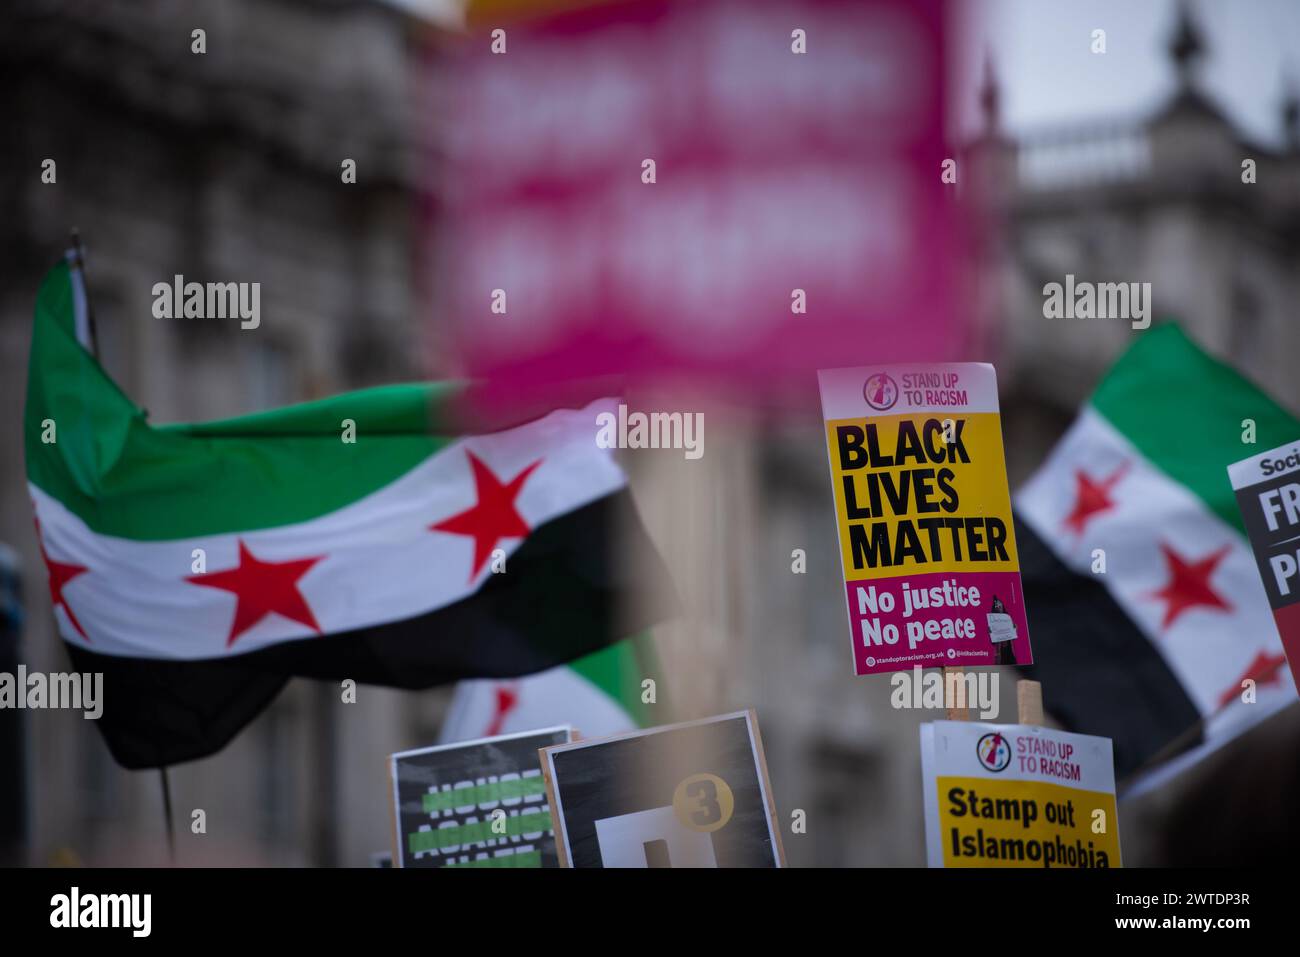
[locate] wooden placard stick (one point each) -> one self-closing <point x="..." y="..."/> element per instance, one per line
<point x="1029" y="702"/>
<point x="954" y="694"/>
<point x="556" y="827"/>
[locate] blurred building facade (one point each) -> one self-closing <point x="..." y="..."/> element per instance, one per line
<point x="219" y="166"/>
<point x="227" y="165"/>
<point x="1157" y="199"/>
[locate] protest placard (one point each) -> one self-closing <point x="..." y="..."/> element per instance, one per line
<point x="1268" y="494"/>
<point x="1014" y="795"/>
<point x="694" y="794"/>
<point x="474" y="804"/>
<point x="927" y="546"/>
<point x="632" y="188"/>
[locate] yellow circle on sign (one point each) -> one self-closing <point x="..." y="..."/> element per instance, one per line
<point x="703" y="802"/>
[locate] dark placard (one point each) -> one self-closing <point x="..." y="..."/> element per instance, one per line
<point x="1268" y="494"/>
<point x="684" y="795"/>
<point x="474" y="804"/>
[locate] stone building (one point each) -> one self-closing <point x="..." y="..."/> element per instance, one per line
<point x="1157" y="199"/>
<point x="1161" y="199"/>
<point x="226" y="165"/>
<point x="220" y="166"/>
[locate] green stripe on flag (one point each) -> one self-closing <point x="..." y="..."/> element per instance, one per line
<point x="483" y="794"/>
<point x="526" y="859"/>
<point x="1184" y="410"/>
<point x="618" y="671"/>
<point x="439" y="838"/>
<point x="123" y="476"/>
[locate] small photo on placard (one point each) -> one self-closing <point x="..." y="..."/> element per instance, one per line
<point x="694" y="794"/>
<point x="475" y="803"/>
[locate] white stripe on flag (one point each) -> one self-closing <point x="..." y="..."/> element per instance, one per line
<point x="381" y="561"/>
<point x="1206" y="648"/>
<point x="488" y="707"/>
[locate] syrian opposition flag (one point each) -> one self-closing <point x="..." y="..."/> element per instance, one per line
<point x="599" y="694"/>
<point x="1154" y="651"/>
<point x="200" y="566"/>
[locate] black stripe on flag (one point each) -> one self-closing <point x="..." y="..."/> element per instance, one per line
<point x="1100" y="674"/>
<point x="566" y="592"/>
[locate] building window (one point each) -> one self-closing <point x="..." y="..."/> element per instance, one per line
<point x="1246" y="329"/>
<point x="269" y="376"/>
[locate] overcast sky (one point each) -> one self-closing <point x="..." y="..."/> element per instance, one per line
<point x="1050" y="77"/>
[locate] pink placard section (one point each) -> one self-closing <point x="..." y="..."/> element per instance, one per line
<point x="981" y="621"/>
<point x="737" y="191"/>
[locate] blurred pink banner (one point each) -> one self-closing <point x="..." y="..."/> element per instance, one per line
<point x="775" y="171"/>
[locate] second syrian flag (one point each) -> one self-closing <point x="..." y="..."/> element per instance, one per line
<point x="358" y="537"/>
<point x="1155" y="629"/>
<point x="610" y="691"/>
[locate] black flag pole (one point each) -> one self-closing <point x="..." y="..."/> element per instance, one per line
<point x="79" y="264"/>
<point x="167" y="813"/>
<point x="90" y="339"/>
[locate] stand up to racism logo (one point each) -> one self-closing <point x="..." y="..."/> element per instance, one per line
<point x="880" y="390"/>
<point x="993" y="751"/>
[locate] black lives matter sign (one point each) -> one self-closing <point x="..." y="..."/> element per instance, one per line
<point x="684" y="795"/>
<point x="1268" y="494"/>
<point x="475" y="804"/>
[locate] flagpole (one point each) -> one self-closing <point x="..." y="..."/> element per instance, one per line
<point x="167" y="813"/>
<point x="78" y="262"/>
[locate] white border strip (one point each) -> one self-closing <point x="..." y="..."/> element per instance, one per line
<point x="1249" y="471"/>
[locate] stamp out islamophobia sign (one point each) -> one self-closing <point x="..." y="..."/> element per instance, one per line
<point x="683" y="795"/>
<point x="1012" y="795"/>
<point x="924" y="513"/>
<point x="474" y="804"/>
<point x="1268" y="494"/>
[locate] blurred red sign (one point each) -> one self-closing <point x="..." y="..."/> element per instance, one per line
<point x="793" y="215"/>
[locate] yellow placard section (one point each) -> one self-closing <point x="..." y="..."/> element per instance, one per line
<point x="985" y="823"/>
<point x="921" y="493"/>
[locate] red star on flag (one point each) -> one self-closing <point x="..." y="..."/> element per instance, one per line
<point x="1091" y="496"/>
<point x="1264" y="669"/>
<point x="493" y="517"/>
<point x="1189" y="583"/>
<point x="60" y="573"/>
<point x="262" y="588"/>
<point x="507" y="698"/>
